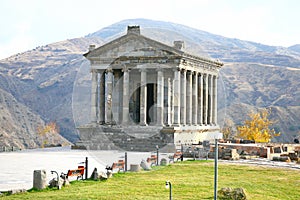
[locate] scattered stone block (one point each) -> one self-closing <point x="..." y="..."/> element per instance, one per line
<point x="282" y="158"/>
<point x="16" y="191"/>
<point x="232" y="194"/>
<point x="163" y="162"/>
<point x="95" y="174"/>
<point x="55" y="183"/>
<point x="146" y="166"/>
<point x="39" y="179"/>
<point x="230" y="154"/>
<point x="135" y="168"/>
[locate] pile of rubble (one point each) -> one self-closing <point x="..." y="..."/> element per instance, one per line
<point x="274" y="152"/>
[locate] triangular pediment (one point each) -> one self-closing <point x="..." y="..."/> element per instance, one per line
<point x="133" y="45"/>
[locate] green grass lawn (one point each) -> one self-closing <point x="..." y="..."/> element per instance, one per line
<point x="190" y="180"/>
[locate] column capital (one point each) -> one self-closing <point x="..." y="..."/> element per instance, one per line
<point x="176" y="69"/>
<point x="160" y="69"/>
<point x="109" y="70"/>
<point x="93" y="70"/>
<point x="189" y="72"/>
<point x="125" y="69"/>
<point x="143" y="70"/>
<point x="195" y="73"/>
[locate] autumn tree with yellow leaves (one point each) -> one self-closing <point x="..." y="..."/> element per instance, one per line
<point x="45" y="130"/>
<point x="51" y="127"/>
<point x="258" y="127"/>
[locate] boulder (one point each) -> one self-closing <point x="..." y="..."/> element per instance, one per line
<point x="163" y="162"/>
<point x="232" y="194"/>
<point x="55" y="183"/>
<point x="146" y="166"/>
<point x="95" y="174"/>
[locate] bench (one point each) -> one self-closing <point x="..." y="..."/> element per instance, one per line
<point x="76" y="172"/>
<point x="118" y="166"/>
<point x="176" y="156"/>
<point x="152" y="160"/>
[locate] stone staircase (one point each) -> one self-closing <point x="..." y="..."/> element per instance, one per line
<point x="131" y="138"/>
<point x="138" y="138"/>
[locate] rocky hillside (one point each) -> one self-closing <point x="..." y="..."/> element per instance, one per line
<point x="254" y="76"/>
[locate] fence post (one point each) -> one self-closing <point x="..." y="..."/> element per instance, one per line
<point x="125" y="161"/>
<point x="157" y="154"/>
<point x="216" y="170"/>
<point x="86" y="167"/>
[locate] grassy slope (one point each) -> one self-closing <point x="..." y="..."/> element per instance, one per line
<point x="190" y="180"/>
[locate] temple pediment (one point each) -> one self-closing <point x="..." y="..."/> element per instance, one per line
<point x="133" y="45"/>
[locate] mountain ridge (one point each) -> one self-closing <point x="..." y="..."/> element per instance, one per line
<point x="255" y="75"/>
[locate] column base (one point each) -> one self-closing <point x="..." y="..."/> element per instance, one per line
<point x="143" y="124"/>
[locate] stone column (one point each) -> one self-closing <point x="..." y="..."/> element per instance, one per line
<point x="94" y="95"/>
<point x="210" y="98"/>
<point x="214" y="117"/>
<point x="189" y="106"/>
<point x="176" y="96"/>
<point x="108" y="103"/>
<point x="125" y="107"/>
<point x="102" y="98"/>
<point x="116" y="97"/>
<point x="195" y="98"/>
<point x="160" y="97"/>
<point x="143" y="98"/>
<point x="200" y="99"/>
<point x="169" y="122"/>
<point x="205" y="98"/>
<point x="183" y="98"/>
<point x="121" y="80"/>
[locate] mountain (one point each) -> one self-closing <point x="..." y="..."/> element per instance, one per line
<point x="45" y="80"/>
<point x="295" y="47"/>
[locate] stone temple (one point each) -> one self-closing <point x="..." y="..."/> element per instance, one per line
<point x="146" y="94"/>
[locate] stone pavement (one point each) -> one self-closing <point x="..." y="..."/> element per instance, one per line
<point x="264" y="162"/>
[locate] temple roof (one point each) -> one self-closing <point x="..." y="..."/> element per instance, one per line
<point x="134" y="45"/>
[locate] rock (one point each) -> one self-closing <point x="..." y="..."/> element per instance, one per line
<point x="58" y="184"/>
<point x="109" y="173"/>
<point x="65" y="180"/>
<point x="95" y="174"/>
<point x="135" y="168"/>
<point x="232" y="194"/>
<point x="281" y="158"/>
<point x="163" y="162"/>
<point x="146" y="166"/>
<point x="39" y="179"/>
<point x="16" y="191"/>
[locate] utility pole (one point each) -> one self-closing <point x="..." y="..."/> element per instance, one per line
<point x="216" y="170"/>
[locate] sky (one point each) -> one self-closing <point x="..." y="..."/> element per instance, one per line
<point x="26" y="24"/>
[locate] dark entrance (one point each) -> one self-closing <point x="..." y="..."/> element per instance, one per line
<point x="150" y="103"/>
<point x="134" y="105"/>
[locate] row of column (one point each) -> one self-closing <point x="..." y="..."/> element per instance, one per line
<point x="191" y="98"/>
<point x="195" y="98"/>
